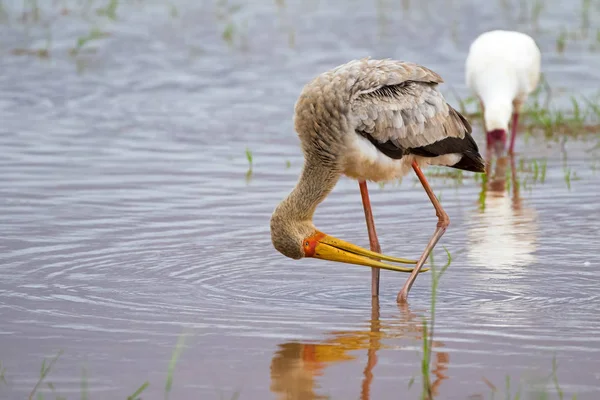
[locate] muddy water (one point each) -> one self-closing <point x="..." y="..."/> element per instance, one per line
<point x="128" y="217"/>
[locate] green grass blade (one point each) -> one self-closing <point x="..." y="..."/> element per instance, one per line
<point x="172" y="363"/>
<point x="84" y="384"/>
<point x="135" y="394"/>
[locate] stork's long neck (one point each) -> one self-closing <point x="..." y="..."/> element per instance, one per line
<point x="497" y="92"/>
<point x="315" y="183"/>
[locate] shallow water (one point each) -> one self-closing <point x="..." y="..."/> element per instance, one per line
<point x="128" y="217"/>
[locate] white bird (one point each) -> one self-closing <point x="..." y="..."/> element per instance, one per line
<point x="369" y="120"/>
<point x="502" y="69"/>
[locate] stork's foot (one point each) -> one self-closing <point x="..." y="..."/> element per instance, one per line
<point x="443" y="223"/>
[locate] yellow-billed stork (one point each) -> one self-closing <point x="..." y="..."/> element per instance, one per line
<point x="370" y="120"/>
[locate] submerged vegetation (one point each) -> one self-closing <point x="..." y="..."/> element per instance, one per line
<point x="427" y="392"/>
<point x="47" y="386"/>
<point x="250" y="165"/>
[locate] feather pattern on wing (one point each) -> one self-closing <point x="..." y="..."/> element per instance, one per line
<point x="392" y="104"/>
<point x="409" y="114"/>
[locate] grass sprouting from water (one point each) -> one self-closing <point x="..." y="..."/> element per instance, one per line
<point x="543" y="171"/>
<point x="567" y="176"/>
<point x="173" y="11"/>
<point x="84" y="384"/>
<point x="3" y="12"/>
<point x="48" y="365"/>
<point x="595" y="108"/>
<point x="172" y="363"/>
<point x="561" y="41"/>
<point x="536" y="11"/>
<point x="45" y="370"/>
<point x="228" y="32"/>
<point x="585" y="16"/>
<point x="136" y="394"/>
<point x="250" y="164"/>
<point x="483" y="192"/>
<point x="94" y="34"/>
<point x="555" y="378"/>
<point x="536" y="170"/>
<point x="428" y="330"/>
<point x="583" y="117"/>
<point x="226" y="13"/>
<point x="2" y="373"/>
<point x="41" y="53"/>
<point x="539" y="388"/>
<point x="286" y="24"/>
<point x="34" y="10"/>
<point x="249" y="157"/>
<point x="110" y="10"/>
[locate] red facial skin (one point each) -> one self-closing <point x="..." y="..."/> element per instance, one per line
<point x="310" y="244"/>
<point x="496" y="134"/>
<point x="496" y="139"/>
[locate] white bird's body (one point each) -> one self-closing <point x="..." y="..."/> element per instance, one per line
<point x="502" y="69"/>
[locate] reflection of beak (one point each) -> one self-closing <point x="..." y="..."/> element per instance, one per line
<point x="330" y="248"/>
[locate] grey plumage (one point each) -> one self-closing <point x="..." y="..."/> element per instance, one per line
<point x="410" y="114"/>
<point x="369" y="120"/>
<point x="394" y="103"/>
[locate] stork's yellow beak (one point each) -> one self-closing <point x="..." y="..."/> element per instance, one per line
<point x="330" y="248"/>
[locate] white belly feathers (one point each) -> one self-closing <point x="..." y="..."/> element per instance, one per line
<point x="364" y="162"/>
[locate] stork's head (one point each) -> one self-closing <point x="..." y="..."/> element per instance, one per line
<point x="496" y="140"/>
<point x="296" y="238"/>
<point x="323" y="121"/>
<point x="497" y="116"/>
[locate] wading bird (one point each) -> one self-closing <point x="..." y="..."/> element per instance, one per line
<point x="502" y="69"/>
<point x="369" y="120"/>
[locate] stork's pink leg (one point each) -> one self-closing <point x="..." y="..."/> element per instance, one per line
<point x="443" y="222"/>
<point x="513" y="135"/>
<point x="373" y="241"/>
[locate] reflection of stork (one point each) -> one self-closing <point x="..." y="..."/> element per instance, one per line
<point x="369" y="120"/>
<point x="295" y="365"/>
<point x="505" y="233"/>
<point x="502" y="68"/>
